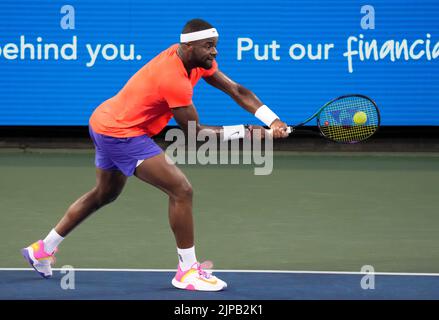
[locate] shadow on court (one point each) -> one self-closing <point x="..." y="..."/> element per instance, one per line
<point x="119" y="285"/>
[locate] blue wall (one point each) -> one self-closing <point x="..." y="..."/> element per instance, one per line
<point x="65" y="92"/>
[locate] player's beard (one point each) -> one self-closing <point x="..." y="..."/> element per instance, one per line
<point x="207" y="63"/>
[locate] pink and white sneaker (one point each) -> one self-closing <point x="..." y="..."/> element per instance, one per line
<point x="39" y="259"/>
<point x="197" y="278"/>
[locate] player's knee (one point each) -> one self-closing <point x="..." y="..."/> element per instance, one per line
<point x="106" y="195"/>
<point x="184" y="191"/>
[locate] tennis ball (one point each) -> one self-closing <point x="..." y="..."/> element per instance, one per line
<point x="360" y="117"/>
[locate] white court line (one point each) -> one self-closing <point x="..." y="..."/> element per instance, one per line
<point x="244" y="271"/>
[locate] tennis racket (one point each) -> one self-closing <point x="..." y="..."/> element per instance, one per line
<point x="346" y="119"/>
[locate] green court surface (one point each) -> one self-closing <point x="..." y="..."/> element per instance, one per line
<point x="316" y="211"/>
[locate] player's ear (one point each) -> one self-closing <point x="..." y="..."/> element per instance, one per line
<point x="187" y="46"/>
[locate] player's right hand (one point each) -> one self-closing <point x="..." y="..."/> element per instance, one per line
<point x="279" y="129"/>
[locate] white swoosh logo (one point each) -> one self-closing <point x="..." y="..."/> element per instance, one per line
<point x="237" y="132"/>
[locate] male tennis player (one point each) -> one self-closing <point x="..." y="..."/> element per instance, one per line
<point x="121" y="129"/>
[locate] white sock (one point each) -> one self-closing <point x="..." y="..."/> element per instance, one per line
<point x="186" y="258"/>
<point x="52" y="240"/>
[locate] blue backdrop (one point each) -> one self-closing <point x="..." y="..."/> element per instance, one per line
<point x="64" y="90"/>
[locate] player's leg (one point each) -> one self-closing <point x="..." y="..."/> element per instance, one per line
<point x="167" y="177"/>
<point x="109" y="184"/>
<point x="110" y="181"/>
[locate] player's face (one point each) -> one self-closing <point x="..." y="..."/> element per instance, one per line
<point x="204" y="52"/>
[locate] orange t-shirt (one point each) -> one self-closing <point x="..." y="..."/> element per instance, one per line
<point x="143" y="105"/>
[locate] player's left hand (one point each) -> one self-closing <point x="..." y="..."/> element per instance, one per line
<point x="279" y="129"/>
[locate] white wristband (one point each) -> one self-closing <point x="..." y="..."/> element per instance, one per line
<point x="266" y="115"/>
<point x="233" y="132"/>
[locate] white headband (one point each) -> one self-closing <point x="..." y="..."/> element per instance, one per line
<point x="198" y="35"/>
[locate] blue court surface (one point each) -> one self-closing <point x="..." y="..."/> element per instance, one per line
<point x="19" y="284"/>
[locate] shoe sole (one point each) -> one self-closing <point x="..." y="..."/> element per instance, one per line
<point x="191" y="287"/>
<point x="25" y="254"/>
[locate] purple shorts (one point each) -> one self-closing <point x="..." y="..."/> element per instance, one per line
<point x="122" y="153"/>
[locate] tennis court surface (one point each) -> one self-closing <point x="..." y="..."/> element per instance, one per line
<point x="155" y="285"/>
<point x="316" y="212"/>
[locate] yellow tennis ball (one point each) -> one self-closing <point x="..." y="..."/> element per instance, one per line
<point x="360" y="117"/>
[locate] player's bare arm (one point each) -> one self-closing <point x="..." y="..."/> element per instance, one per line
<point x="185" y="114"/>
<point x="245" y="98"/>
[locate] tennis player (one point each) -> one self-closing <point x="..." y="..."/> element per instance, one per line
<point x="121" y="129"/>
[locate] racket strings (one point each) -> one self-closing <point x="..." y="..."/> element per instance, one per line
<point x="336" y="120"/>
